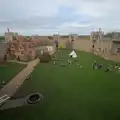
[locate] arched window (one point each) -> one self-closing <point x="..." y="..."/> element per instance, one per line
<point x="5" y="57"/>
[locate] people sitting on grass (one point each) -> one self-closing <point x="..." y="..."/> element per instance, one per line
<point x="97" y="66"/>
<point x="63" y="65"/>
<point x="3" y="82"/>
<point x="69" y="61"/>
<point x="81" y="66"/>
<point x="29" y="77"/>
<point x="100" y="66"/>
<point x="54" y="62"/>
<point x="116" y="66"/>
<point x="107" y="70"/>
<point x="119" y="69"/>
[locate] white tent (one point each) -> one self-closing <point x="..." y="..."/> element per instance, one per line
<point x="73" y="54"/>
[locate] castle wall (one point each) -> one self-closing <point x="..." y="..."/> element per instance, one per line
<point x="9" y="36"/>
<point x="103" y="47"/>
<point x="114" y="47"/>
<point x="64" y="42"/>
<point x="83" y="44"/>
<point x="106" y="46"/>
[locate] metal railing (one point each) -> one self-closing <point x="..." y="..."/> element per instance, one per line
<point x="3" y="99"/>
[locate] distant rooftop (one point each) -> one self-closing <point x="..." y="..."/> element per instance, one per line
<point x="114" y="36"/>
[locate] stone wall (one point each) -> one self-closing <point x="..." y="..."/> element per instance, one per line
<point x="9" y="36"/>
<point x="115" y="46"/>
<point x="83" y="44"/>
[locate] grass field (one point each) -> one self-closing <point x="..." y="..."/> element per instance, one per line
<point x="2" y="37"/>
<point x="71" y="93"/>
<point x="9" y="70"/>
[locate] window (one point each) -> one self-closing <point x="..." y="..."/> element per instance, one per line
<point x="93" y="46"/>
<point x="21" y="52"/>
<point x="99" y="49"/>
<point x="118" y="50"/>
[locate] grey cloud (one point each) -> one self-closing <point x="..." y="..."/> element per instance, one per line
<point x="43" y="16"/>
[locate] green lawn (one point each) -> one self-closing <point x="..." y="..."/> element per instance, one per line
<point x="71" y="93"/>
<point x="9" y="70"/>
<point x="2" y="37"/>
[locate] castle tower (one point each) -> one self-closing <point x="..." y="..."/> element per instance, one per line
<point x="9" y="36"/>
<point x="72" y="39"/>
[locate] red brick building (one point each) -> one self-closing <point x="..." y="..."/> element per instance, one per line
<point x="27" y="48"/>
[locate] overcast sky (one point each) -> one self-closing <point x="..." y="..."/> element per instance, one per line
<point x="43" y="17"/>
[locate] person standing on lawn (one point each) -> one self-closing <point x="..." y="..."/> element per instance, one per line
<point x="94" y="65"/>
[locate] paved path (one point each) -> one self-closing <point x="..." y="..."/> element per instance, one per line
<point x="11" y="88"/>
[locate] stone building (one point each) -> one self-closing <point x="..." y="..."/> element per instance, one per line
<point x="28" y="48"/>
<point x="21" y="50"/>
<point x="72" y="39"/>
<point x="106" y="45"/>
<point x="66" y="41"/>
<point x="10" y="36"/>
<point x="115" y="45"/>
<point x="3" y="52"/>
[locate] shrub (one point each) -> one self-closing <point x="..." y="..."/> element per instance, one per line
<point x="45" y="57"/>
